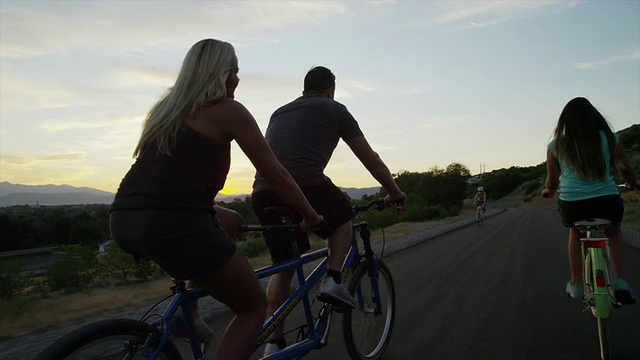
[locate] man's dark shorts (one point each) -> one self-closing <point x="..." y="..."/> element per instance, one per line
<point x="328" y="201"/>
<point x="608" y="207"/>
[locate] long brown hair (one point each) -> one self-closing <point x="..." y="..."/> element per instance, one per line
<point x="577" y="138"/>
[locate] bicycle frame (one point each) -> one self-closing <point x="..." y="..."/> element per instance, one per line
<point x="180" y="302"/>
<point x="595" y="274"/>
<point x="149" y="337"/>
<point x="598" y="291"/>
<point x="318" y="332"/>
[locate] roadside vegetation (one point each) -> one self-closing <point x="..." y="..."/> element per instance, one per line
<point x="90" y="275"/>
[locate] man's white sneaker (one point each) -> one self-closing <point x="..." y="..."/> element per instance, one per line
<point x="333" y="293"/>
<point x="272" y="348"/>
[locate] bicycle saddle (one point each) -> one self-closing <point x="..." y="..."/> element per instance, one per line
<point x="592" y="224"/>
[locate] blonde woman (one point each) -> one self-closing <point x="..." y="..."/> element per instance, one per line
<point x="163" y="210"/>
<point x="583" y="151"/>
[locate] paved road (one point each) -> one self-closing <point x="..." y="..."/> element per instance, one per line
<point x="495" y="292"/>
<point x="484" y="293"/>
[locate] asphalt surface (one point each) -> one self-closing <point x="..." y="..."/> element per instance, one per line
<point x="495" y="292"/>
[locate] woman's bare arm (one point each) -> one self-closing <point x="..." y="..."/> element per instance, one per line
<point x="553" y="175"/>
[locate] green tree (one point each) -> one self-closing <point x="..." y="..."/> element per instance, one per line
<point x="59" y="227"/>
<point x="145" y="269"/>
<point x="16" y="232"/>
<point x="117" y="263"/>
<point x="85" y="230"/>
<point x="502" y="182"/>
<point x="434" y="194"/>
<point x="243" y="207"/>
<point x="75" y="270"/>
<point x="11" y="279"/>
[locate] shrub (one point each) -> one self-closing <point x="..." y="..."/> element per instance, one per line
<point x="11" y="279"/>
<point x="532" y="186"/>
<point x="253" y="247"/>
<point x="75" y="270"/>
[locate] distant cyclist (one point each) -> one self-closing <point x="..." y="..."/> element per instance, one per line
<point x="583" y="152"/>
<point x="480" y="199"/>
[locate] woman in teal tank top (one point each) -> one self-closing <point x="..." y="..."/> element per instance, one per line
<point x="579" y="161"/>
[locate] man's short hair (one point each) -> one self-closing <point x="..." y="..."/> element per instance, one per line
<point x="318" y="80"/>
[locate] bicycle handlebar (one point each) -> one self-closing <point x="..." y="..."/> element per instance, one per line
<point x="377" y="203"/>
<point x="247" y="228"/>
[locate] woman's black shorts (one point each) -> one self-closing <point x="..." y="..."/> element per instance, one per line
<point x="186" y="245"/>
<point x="608" y="207"/>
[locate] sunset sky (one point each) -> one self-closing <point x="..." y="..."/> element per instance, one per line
<point x="430" y="82"/>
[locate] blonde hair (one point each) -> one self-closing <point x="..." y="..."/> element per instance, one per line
<point x="200" y="83"/>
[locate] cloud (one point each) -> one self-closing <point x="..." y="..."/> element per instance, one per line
<point x="38" y="159"/>
<point x="32" y="29"/>
<point x="465" y="15"/>
<point x="596" y="64"/>
<point x="435" y="122"/>
<point x="358" y="85"/>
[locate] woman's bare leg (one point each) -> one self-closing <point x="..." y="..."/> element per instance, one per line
<point x="236" y="285"/>
<point x="575" y="256"/>
<point x="616" y="250"/>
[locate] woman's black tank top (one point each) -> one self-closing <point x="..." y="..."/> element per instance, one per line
<point x="188" y="179"/>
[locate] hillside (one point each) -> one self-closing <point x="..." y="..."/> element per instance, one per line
<point x="17" y="194"/>
<point x="630" y="138"/>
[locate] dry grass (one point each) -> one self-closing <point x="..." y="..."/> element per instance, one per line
<point x="65" y="309"/>
<point x="60" y="309"/>
<point x="631" y="208"/>
<point x="68" y="309"/>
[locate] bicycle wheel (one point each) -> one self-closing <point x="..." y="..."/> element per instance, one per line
<point x="601" y="284"/>
<point x="367" y="332"/>
<point x="110" y="339"/>
<point x="603" y="338"/>
<point x="599" y="297"/>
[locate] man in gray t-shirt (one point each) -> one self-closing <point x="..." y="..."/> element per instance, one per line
<point x="303" y="135"/>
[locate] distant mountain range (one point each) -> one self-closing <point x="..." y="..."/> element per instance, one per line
<point x="16" y="194"/>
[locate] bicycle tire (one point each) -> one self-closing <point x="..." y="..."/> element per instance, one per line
<point x="366" y="334"/>
<point x="603" y="339"/>
<point x="601" y="305"/>
<point x="109" y="339"/>
<point x="602" y="299"/>
<point x="601" y="294"/>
